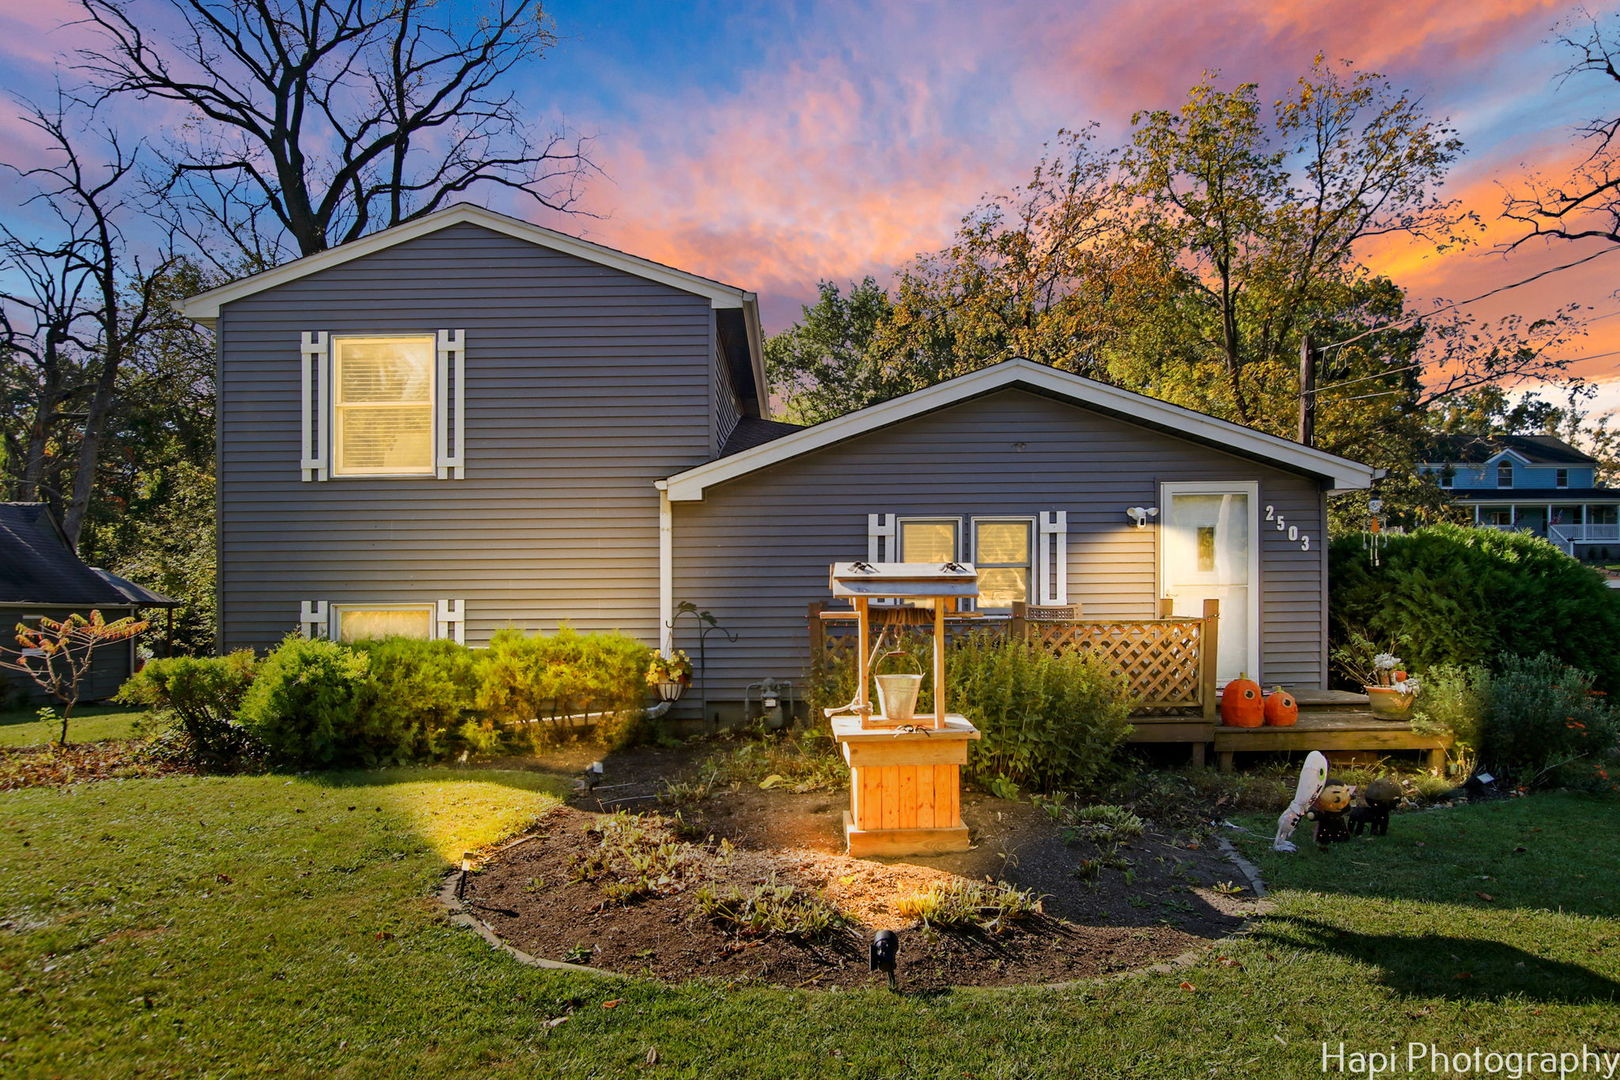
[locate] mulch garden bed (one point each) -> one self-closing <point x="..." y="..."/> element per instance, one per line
<point x="1105" y="909"/>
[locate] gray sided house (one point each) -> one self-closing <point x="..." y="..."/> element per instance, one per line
<point x="468" y="422"/>
<point x="41" y="576"/>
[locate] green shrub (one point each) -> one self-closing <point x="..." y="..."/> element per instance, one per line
<point x="1542" y="718"/>
<point x="769" y="909"/>
<point x="990" y="906"/>
<point x="1455" y="700"/>
<point x="526" y="678"/>
<point x="1450" y="594"/>
<point x="1048" y="722"/>
<point x="193" y="703"/>
<point x="418" y="699"/>
<point x="305" y="705"/>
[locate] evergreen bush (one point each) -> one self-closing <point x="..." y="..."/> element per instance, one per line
<point x="1451" y="594"/>
<point x="193" y="702"/>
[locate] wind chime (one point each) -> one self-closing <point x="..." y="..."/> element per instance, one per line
<point x="1372" y="540"/>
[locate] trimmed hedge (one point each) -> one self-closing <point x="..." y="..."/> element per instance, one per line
<point x="1451" y="594"/>
<point x="322" y="704"/>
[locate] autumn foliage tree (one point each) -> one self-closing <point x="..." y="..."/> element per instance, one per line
<point x="58" y="654"/>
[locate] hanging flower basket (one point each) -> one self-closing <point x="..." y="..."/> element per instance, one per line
<point x="669" y="676"/>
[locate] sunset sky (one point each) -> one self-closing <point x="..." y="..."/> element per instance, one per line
<point x="771" y="145"/>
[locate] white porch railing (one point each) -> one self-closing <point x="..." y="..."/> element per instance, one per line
<point x="1567" y="536"/>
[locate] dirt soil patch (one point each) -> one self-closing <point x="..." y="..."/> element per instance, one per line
<point x="1106" y="909"/>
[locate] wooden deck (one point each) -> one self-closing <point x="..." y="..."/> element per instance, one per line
<point x="1328" y="730"/>
<point x="1329" y="720"/>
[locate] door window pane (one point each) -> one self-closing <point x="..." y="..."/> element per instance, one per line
<point x="359" y="624"/>
<point x="382" y="406"/>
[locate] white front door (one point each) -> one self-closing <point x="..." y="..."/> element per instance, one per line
<point x="1209" y="549"/>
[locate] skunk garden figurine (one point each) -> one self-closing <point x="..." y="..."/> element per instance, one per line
<point x="1373" y="808"/>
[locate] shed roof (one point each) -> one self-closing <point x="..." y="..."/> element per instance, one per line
<point x="1340" y="473"/>
<point x="38" y="566"/>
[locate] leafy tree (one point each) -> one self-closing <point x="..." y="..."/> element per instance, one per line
<point x="828" y="364"/>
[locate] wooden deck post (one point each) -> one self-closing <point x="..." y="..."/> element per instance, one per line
<point x="1018" y="625"/>
<point x="1165" y="608"/>
<point x="1209" y="652"/>
<point x="818" y="633"/>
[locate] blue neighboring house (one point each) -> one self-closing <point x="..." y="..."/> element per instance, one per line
<point x="1529" y="483"/>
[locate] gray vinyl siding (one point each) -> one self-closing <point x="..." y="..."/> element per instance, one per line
<point x="727" y="410"/>
<point x="584" y="385"/>
<point x="756" y="550"/>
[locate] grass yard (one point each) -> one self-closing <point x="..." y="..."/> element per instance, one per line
<point x="247" y="926"/>
<point x="89" y="723"/>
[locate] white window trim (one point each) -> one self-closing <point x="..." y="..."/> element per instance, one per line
<point x="1560" y="478"/>
<point x="1033" y="560"/>
<point x="900" y="522"/>
<point x="447" y="617"/>
<point x="317" y="372"/>
<point x="1513" y="474"/>
<point x="1251" y="488"/>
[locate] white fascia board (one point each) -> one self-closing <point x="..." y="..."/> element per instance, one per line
<point x="1341" y="473"/>
<point x="756" y="350"/>
<point x="204" y="307"/>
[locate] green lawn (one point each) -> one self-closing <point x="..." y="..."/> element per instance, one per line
<point x="284" y="925"/>
<point x="89" y="723"/>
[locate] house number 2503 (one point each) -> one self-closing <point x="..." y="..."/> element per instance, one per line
<point x="1294" y="535"/>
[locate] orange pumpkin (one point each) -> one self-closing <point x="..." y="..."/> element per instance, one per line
<point x="1397" y="676"/>
<point x="1281" y="708"/>
<point x="1242" y="704"/>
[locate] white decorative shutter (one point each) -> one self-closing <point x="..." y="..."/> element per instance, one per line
<point x="452" y="622"/>
<point x="315" y="379"/>
<point x="312" y="619"/>
<point x="449" y="408"/>
<point x="1053" y="563"/>
<point x="882" y="539"/>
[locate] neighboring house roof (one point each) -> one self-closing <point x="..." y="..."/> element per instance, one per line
<point x="205" y="307"/>
<point x="1533" y="495"/>
<point x="1478" y="449"/>
<point x="138" y="594"/>
<point x="38" y="566"/>
<point x="752" y="431"/>
<point x="1341" y="473"/>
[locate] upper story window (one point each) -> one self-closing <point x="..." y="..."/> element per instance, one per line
<point x="1444" y="476"/>
<point x="1562" y="478"/>
<point x="382" y="406"/>
<point x="1504" y="474"/>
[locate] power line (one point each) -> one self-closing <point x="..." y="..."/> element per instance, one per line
<point x="1464" y="303"/>
<point x="1426" y="363"/>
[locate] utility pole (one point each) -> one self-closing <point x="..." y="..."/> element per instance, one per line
<point x="1307" y="391"/>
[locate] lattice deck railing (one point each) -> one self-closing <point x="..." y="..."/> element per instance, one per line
<point x="1167" y="662"/>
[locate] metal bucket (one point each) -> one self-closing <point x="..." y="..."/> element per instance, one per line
<point x="897" y="696"/>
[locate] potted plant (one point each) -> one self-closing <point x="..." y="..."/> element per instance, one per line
<point x="669" y="676"/>
<point x="1390" y="690"/>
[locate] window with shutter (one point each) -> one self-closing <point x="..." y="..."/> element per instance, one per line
<point x="383" y="405"/>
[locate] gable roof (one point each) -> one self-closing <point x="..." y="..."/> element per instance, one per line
<point x="1478" y="449"/>
<point x="37" y="566"/>
<point x="1340" y="473"/>
<point x="204" y="308"/>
